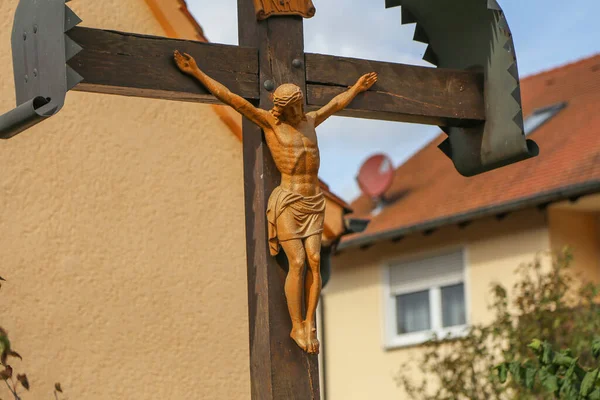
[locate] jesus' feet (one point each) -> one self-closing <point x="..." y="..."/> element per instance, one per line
<point x="312" y="343"/>
<point x="299" y="336"/>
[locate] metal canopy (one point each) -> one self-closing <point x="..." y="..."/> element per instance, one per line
<point x="474" y="35"/>
<point x="40" y="50"/>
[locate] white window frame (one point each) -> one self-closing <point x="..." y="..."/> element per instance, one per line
<point x="394" y="340"/>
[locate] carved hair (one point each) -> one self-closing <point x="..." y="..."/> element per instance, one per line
<point x="283" y="96"/>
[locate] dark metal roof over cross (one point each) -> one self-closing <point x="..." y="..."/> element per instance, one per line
<point x="474" y="97"/>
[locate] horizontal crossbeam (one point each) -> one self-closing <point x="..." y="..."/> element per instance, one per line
<point x="142" y="66"/>
<point x="406" y="93"/>
<point x="138" y="65"/>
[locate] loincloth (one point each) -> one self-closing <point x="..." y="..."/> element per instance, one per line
<point x="293" y="216"/>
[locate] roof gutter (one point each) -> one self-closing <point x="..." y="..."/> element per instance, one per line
<point x="539" y="199"/>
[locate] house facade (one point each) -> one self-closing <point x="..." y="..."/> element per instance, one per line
<point x="428" y="258"/>
<point x="123" y="235"/>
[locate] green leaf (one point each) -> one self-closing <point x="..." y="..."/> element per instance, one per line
<point x="4" y="346"/>
<point x="502" y="372"/>
<point x="567" y="392"/>
<point x="556" y="324"/>
<point x="595" y="395"/>
<point x="563" y="360"/>
<point x="535" y="345"/>
<point x="548" y="354"/>
<point x="571" y="369"/>
<point x="517" y="372"/>
<point x="530" y="374"/>
<point x="548" y="381"/>
<point x="588" y="383"/>
<point x="596" y="348"/>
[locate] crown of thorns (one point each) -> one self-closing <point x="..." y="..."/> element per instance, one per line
<point x="285" y="95"/>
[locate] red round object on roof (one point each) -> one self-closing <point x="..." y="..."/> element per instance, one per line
<point x="375" y="176"/>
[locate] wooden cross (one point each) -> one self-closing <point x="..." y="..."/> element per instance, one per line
<point x="270" y="53"/>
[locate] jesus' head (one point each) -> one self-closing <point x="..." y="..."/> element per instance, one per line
<point x="288" y="104"/>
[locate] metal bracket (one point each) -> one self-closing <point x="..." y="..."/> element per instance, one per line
<point x="474" y="34"/>
<point x="40" y="49"/>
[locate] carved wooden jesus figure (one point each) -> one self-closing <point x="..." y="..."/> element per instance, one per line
<point x="296" y="207"/>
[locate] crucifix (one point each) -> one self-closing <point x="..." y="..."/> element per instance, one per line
<point x="473" y="96"/>
<point x="296" y="208"/>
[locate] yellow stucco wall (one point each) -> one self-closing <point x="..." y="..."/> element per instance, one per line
<point x="580" y="230"/>
<point x="358" y="366"/>
<point x="123" y="241"/>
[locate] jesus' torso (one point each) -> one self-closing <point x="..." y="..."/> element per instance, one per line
<point x="296" y="154"/>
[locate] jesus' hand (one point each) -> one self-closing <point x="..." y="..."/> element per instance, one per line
<point x="365" y="82"/>
<point x="185" y="62"/>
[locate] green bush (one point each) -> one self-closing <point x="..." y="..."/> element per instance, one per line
<point x="550" y="304"/>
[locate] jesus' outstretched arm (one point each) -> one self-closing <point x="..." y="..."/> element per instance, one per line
<point x="341" y="101"/>
<point x="187" y="64"/>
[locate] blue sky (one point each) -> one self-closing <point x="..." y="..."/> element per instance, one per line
<point x="546" y="33"/>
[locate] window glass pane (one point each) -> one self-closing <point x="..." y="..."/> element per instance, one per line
<point x="453" y="305"/>
<point x="539" y="117"/>
<point x="413" y="312"/>
<point x="534" y="121"/>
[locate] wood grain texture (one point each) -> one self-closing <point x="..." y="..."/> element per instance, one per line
<point x="279" y="368"/>
<point x="405" y="93"/>
<point x="138" y="65"/>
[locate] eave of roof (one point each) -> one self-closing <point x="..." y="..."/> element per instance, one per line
<point x="540" y="200"/>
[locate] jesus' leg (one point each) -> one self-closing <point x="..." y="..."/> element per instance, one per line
<point x="294" y="250"/>
<point x="312" y="245"/>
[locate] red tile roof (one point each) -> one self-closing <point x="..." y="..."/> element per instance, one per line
<point x="428" y="189"/>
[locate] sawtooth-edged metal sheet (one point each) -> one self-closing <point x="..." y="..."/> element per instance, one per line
<point x="40" y="49"/>
<point x="474" y="34"/>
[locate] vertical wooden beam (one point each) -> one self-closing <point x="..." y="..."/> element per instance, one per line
<point x="279" y="369"/>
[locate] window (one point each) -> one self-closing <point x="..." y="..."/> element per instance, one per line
<point x="424" y="297"/>
<point x="540" y="117"/>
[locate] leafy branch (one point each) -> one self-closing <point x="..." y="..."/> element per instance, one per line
<point x="6" y="351"/>
<point x="14" y="383"/>
<point x="558" y="373"/>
